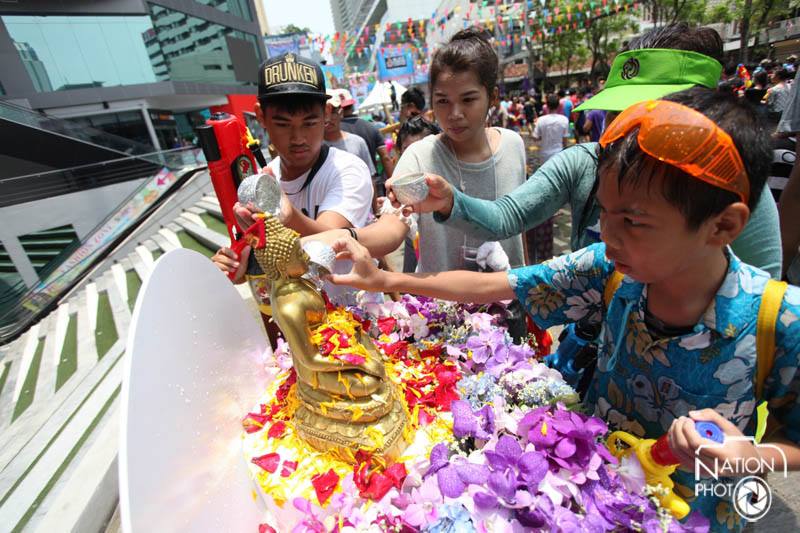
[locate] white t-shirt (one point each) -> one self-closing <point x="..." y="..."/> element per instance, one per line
<point x="353" y="144"/>
<point x="343" y="185"/>
<point x="551" y="130"/>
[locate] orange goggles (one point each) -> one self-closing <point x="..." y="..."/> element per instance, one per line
<point x="686" y="139"/>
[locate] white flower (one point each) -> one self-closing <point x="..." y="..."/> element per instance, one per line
<point x="419" y="326"/>
<point x="738" y="372"/>
<point x="738" y="413"/>
<point x="696" y="342"/>
<point x="513" y="280"/>
<point x="788" y="318"/>
<point x="583" y="304"/>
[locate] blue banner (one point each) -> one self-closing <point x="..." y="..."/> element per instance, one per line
<point x="334" y="76"/>
<point x="395" y="63"/>
<point x="280" y="44"/>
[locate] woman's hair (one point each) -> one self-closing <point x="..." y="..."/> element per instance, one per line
<point x="415" y="126"/>
<point x="696" y="199"/>
<point x="680" y="36"/>
<point x="467" y="51"/>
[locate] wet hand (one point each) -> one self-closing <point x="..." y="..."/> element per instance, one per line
<point x="364" y="274"/>
<point x="228" y="262"/>
<point x="690" y="447"/>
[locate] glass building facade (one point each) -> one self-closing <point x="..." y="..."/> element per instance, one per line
<point x="73" y="52"/>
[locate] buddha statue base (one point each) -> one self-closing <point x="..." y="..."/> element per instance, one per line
<point x="383" y="437"/>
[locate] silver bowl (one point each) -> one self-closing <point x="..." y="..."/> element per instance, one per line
<point x="321" y="255"/>
<point x="247" y="190"/>
<point x="268" y="195"/>
<point x="410" y="188"/>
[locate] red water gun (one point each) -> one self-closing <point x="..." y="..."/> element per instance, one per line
<point x="232" y="154"/>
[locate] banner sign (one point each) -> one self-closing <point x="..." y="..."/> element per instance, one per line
<point x="75" y="264"/>
<point x="280" y="44"/>
<point x="395" y="63"/>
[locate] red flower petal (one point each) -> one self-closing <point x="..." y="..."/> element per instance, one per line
<point x="386" y="324"/>
<point x="397" y="473"/>
<point x="288" y="468"/>
<point x="268" y="462"/>
<point x="266" y="528"/>
<point x="436" y="351"/>
<point x="253" y="422"/>
<point x="379" y="485"/>
<point x="424" y="417"/>
<point x="324" y="485"/>
<point x="277" y="430"/>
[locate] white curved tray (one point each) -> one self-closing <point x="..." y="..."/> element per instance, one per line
<point x="194" y="367"/>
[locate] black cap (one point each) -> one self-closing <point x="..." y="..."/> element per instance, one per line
<point x="290" y="74"/>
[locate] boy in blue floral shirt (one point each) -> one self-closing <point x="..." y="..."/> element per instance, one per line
<point x="679" y="335"/>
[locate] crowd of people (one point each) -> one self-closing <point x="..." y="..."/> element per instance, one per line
<point x="666" y="187"/>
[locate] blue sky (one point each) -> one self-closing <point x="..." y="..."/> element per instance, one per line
<point x="314" y="14"/>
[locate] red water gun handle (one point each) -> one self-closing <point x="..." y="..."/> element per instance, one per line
<point x="224" y="140"/>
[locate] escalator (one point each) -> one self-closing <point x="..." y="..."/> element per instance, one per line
<point x="38" y="149"/>
<point x="60" y="259"/>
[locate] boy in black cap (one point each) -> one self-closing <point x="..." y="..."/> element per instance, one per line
<point x="327" y="188"/>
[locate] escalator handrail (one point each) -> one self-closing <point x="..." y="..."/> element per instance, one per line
<point x="146" y="157"/>
<point x="23" y="317"/>
<point x="62" y="126"/>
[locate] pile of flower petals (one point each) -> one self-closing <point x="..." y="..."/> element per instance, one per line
<point x="505" y="450"/>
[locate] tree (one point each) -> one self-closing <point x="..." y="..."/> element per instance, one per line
<point x="753" y="17"/>
<point x="291" y="28"/>
<point x="663" y="12"/>
<point x="563" y="50"/>
<point x="603" y="40"/>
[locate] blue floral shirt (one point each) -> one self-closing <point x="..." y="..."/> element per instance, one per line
<point x="642" y="383"/>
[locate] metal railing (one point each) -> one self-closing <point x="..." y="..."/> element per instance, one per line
<point x="20" y="306"/>
<point x="30" y="187"/>
<point x="64" y="127"/>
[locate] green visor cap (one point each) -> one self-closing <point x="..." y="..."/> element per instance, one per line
<point x="649" y="74"/>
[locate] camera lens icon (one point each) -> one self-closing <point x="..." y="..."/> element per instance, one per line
<point x="752" y="498"/>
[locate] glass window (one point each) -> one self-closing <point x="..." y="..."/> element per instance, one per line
<point x="128" y="124"/>
<point x="188" y="48"/>
<point x="78" y="52"/>
<point x="238" y="8"/>
<point x="73" y="52"/>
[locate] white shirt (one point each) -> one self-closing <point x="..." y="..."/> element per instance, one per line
<point x="343" y="185"/>
<point x="550" y="130"/>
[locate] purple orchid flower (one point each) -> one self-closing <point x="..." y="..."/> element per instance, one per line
<point x="454" y="477"/>
<point x="568" y="439"/>
<point x="484" y="344"/>
<point x="468" y="423"/>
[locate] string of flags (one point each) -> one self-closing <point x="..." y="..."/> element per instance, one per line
<point x="503" y="18"/>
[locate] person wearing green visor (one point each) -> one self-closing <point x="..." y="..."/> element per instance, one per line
<point x="659" y="62"/>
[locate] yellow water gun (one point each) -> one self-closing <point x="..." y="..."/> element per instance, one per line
<point x="658" y="462"/>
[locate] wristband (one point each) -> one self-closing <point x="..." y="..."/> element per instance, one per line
<point x="352" y="233"/>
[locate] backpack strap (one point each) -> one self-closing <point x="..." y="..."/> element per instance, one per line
<point x="612" y="284"/>
<point x="768" y="310"/>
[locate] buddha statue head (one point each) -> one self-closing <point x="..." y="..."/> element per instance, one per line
<point x="281" y="257"/>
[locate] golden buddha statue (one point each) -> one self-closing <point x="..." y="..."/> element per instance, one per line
<point x="340" y="401"/>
